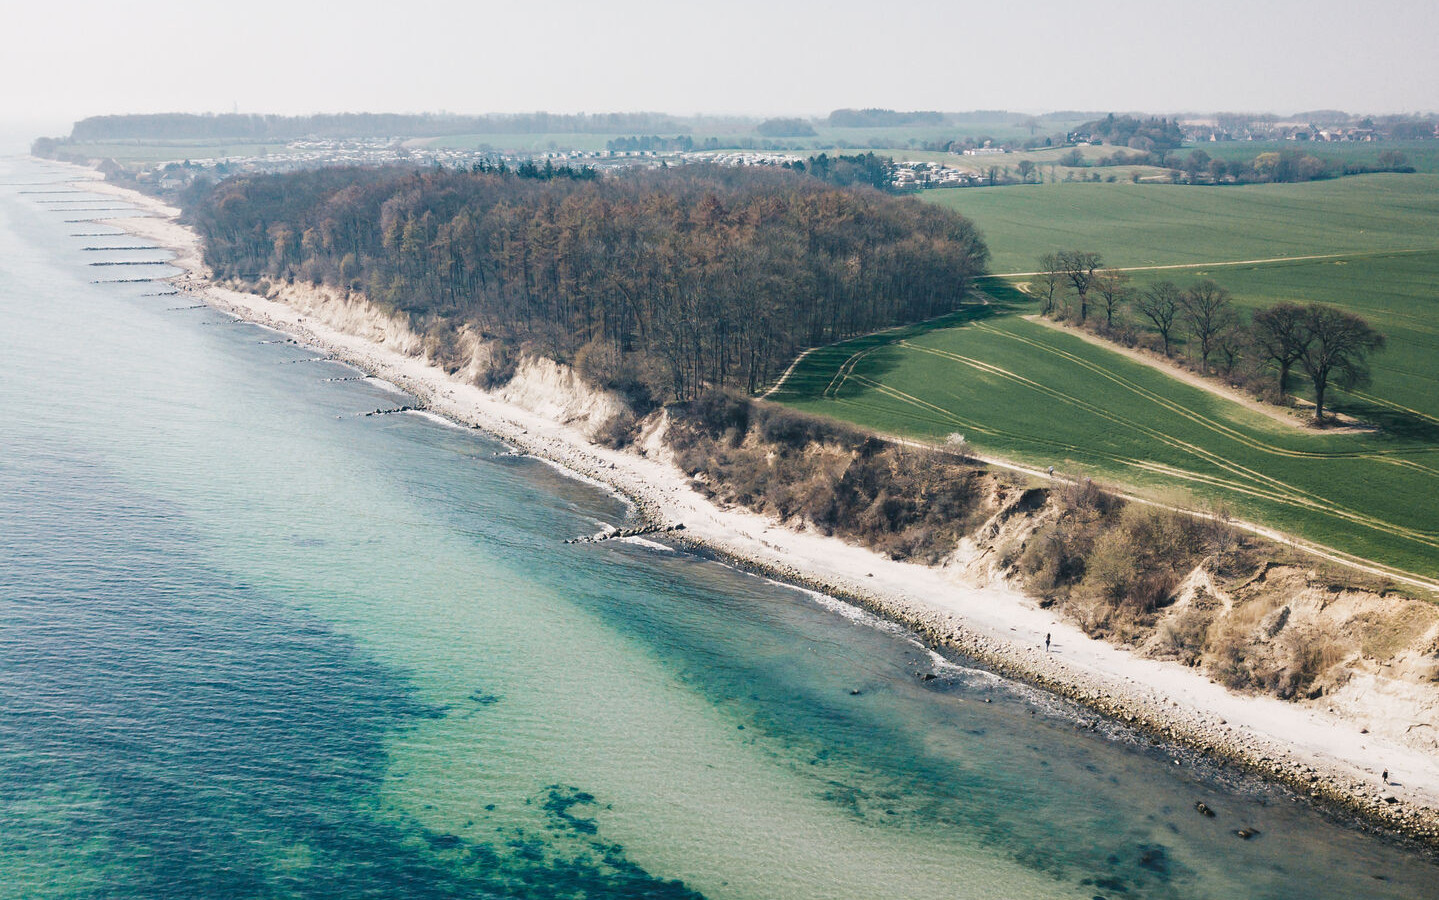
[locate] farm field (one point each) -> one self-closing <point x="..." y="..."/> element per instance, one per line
<point x="1029" y="393"/>
<point x="1150" y="224"/>
<point x="1397" y="293"/>
<point x="1020" y="390"/>
<point x="1422" y="155"/>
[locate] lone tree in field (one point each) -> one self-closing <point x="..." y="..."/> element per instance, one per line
<point x="1159" y="303"/>
<point x="1338" y="351"/>
<point x="1079" y="268"/>
<point x="1209" y="313"/>
<point x="1281" y="338"/>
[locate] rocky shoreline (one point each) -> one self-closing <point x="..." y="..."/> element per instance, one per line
<point x="1348" y="800"/>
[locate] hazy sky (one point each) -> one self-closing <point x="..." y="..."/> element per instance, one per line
<point x="64" y="60"/>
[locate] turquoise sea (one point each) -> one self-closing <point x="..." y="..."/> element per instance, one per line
<point x="254" y="643"/>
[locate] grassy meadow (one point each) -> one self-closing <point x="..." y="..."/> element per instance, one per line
<point x="1422" y="155"/>
<point x="1018" y="389"/>
<point x="1162" y="224"/>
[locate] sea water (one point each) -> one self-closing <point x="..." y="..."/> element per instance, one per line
<point x="255" y="643"/>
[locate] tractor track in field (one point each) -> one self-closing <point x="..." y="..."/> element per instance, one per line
<point x="1237" y="262"/>
<point x="1242" y="480"/>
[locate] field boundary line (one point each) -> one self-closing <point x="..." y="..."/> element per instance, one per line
<point x="1238" y="262"/>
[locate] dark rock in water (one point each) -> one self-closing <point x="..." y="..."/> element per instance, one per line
<point x="1203" y="809"/>
<point x="444" y="841"/>
<point x="927" y="676"/>
<point x="1155" y="858"/>
<point x="1248" y="833"/>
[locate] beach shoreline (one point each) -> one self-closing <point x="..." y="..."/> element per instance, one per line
<point x="1327" y="757"/>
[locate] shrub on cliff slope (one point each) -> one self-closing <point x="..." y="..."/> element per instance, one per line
<point x="905" y="502"/>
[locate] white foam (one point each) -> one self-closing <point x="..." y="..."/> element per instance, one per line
<point x="642" y="542"/>
<point x="430" y="416"/>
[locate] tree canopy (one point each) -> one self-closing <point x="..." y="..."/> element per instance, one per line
<point x="662" y="281"/>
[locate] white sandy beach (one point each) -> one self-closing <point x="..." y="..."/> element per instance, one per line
<point x="1337" y="755"/>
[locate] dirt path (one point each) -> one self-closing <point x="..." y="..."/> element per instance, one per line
<point x="1232" y="262"/>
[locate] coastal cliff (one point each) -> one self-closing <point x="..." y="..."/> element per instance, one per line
<point x="989" y="586"/>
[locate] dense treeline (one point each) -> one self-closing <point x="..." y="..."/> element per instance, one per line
<point x="785" y="127"/>
<point x="860" y="169"/>
<point x="1270" y="167"/>
<point x="1141" y="134"/>
<point x="882" y="118"/>
<point x="228" y="126"/>
<point x="680" y="143"/>
<point x="1329" y="345"/>
<point x="662" y="282"/>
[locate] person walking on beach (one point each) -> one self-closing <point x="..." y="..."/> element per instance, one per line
<point x="1046" y="650"/>
<point x="1385" y="776"/>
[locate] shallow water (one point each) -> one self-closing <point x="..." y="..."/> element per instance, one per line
<point x="253" y="643"/>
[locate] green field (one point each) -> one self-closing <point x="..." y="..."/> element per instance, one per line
<point x="1422" y="155"/>
<point x="1147" y="225"/>
<point x="1029" y="393"/>
<point x="1396" y="293"/>
<point x="1023" y="391"/>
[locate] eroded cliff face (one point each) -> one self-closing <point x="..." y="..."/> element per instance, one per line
<point x="543" y="386"/>
<point x="1249" y="613"/>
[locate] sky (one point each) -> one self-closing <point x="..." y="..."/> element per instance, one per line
<point x="63" y="60"/>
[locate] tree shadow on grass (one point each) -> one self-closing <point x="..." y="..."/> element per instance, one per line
<point x="1393" y="424"/>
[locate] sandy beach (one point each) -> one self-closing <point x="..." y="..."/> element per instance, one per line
<point x="1334" y="757"/>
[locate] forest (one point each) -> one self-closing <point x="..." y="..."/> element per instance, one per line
<point x="661" y="283"/>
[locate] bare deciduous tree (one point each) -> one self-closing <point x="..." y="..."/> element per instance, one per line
<point x="1337" y="351"/>
<point x="1051" y="279"/>
<point x="1281" y="338"/>
<point x="1159" y="303"/>
<point x="1209" y="312"/>
<point x="1114" y="290"/>
<point x="1079" y="268"/>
